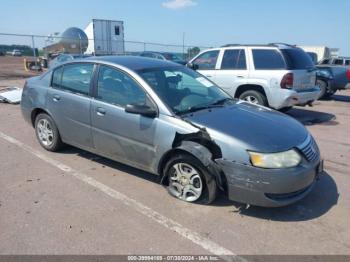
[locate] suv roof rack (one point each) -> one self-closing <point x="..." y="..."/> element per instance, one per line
<point x="282" y="44"/>
<point x="269" y="44"/>
<point x="228" y="45"/>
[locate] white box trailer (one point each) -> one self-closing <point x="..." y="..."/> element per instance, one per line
<point x="321" y="52"/>
<point x="106" y="37"/>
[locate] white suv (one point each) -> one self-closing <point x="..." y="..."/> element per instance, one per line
<point x="274" y="75"/>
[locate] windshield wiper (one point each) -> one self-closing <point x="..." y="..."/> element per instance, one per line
<point x="198" y="108"/>
<point x="218" y="103"/>
<point x="222" y="101"/>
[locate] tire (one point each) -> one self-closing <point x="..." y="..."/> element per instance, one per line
<point x="202" y="181"/>
<point x="330" y="93"/>
<point x="323" y="86"/>
<point x="47" y="133"/>
<point x="254" y="97"/>
<point x="285" y="109"/>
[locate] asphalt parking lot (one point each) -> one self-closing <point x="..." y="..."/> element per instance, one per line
<point x="74" y="202"/>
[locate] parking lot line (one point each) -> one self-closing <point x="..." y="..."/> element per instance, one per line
<point x="193" y="236"/>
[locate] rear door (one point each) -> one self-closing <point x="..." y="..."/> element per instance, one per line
<point x="302" y="68"/>
<point x="207" y="63"/>
<point x="129" y="138"/>
<point x="233" y="70"/>
<point x="68" y="101"/>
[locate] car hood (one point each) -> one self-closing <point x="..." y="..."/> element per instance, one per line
<point x="256" y="128"/>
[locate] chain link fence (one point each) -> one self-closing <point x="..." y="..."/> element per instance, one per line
<point x="40" y="45"/>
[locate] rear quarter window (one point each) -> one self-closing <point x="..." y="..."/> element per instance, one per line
<point x="57" y="77"/>
<point x="297" y="59"/>
<point x="268" y="59"/>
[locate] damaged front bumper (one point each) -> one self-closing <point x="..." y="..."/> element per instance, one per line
<point x="269" y="187"/>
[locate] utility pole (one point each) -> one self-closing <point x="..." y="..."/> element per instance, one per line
<point x="34" y="53"/>
<point x="183" y="45"/>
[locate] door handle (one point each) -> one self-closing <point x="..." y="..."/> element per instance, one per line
<point x="100" y="111"/>
<point x="209" y="76"/>
<point x="56" y="98"/>
<point x="240" y="76"/>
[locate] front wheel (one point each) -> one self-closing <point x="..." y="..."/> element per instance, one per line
<point x="189" y="180"/>
<point x="254" y="97"/>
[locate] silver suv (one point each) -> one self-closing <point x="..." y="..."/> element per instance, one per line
<point x="275" y="75"/>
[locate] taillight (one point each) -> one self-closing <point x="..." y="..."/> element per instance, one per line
<point x="287" y="81"/>
<point x="348" y="74"/>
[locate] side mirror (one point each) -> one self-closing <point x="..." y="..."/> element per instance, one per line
<point x="192" y="66"/>
<point x="143" y="110"/>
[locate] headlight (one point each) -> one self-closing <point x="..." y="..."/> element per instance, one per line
<point x="285" y="159"/>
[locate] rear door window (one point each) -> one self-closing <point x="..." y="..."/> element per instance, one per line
<point x="268" y="59"/>
<point x="234" y="59"/>
<point x="76" y="78"/>
<point x="207" y="60"/>
<point x="297" y="59"/>
<point x="338" y="61"/>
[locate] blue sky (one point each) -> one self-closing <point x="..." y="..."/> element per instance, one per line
<point x="205" y="22"/>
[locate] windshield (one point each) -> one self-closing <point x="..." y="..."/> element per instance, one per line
<point x="296" y="59"/>
<point x="183" y="90"/>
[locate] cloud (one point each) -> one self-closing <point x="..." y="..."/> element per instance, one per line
<point x="178" y="4"/>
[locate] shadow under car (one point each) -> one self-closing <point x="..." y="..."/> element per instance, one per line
<point x="310" y="117"/>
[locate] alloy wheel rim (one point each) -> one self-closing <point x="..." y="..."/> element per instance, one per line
<point x="251" y="99"/>
<point x="185" y="182"/>
<point x="45" y="132"/>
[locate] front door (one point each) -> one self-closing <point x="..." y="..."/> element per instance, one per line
<point x="206" y="63"/>
<point x="129" y="138"/>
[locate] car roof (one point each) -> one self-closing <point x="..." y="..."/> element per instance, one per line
<point x="132" y="62"/>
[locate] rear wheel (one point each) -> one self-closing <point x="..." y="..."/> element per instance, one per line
<point x="325" y="91"/>
<point x="254" y="97"/>
<point x="323" y="86"/>
<point x="47" y="133"/>
<point x="189" y="180"/>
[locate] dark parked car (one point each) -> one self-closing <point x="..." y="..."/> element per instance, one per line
<point x="61" y="58"/>
<point x="164" y="56"/>
<point x="171" y="121"/>
<point x="332" y="78"/>
<point x="2" y="53"/>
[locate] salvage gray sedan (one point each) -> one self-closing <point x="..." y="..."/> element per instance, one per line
<point x="168" y="120"/>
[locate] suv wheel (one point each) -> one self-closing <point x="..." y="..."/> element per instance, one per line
<point x="189" y="180"/>
<point x="254" y="97"/>
<point x="47" y="133"/>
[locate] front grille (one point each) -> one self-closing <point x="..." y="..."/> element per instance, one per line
<point x="310" y="149"/>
